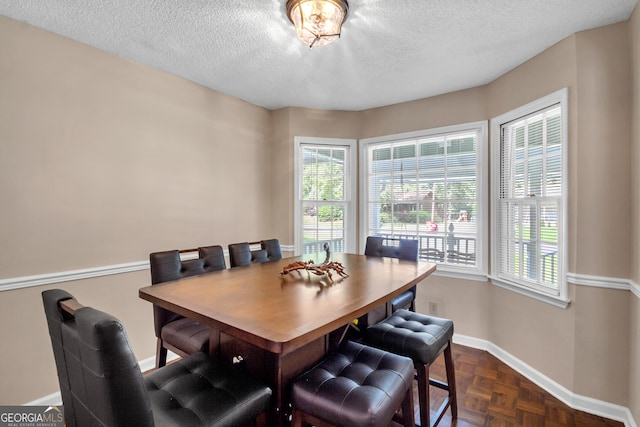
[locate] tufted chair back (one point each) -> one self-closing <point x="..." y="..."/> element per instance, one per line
<point x="240" y="255"/>
<point x="99" y="376"/>
<point x="272" y="246"/>
<point x="167" y="266"/>
<point x="406" y="249"/>
<point x="399" y="248"/>
<point x="213" y="258"/>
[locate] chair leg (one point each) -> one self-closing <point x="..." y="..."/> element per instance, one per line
<point x="423" y="394"/>
<point x="260" y="420"/>
<point x="296" y="418"/>
<point x="161" y="354"/>
<point x="301" y="418"/>
<point x="408" y="416"/>
<point x="451" y="380"/>
<point x="450" y="387"/>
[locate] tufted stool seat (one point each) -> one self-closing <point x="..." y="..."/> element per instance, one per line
<point x="355" y="386"/>
<point x="422" y="338"/>
<point x="200" y="390"/>
<point x="188" y="335"/>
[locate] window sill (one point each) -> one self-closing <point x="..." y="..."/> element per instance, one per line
<point x="446" y="271"/>
<point x="555" y="300"/>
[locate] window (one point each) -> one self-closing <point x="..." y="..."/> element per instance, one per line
<point x="429" y="186"/>
<point x="325" y="193"/>
<point x="528" y="187"/>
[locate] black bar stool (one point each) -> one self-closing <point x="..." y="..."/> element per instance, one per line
<point x="356" y="386"/>
<point x="422" y="338"/>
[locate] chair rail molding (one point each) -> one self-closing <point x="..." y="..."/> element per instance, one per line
<point x="67" y="276"/>
<point x="88" y="273"/>
<point x="604" y="282"/>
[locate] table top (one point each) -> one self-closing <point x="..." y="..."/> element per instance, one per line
<point x="281" y="313"/>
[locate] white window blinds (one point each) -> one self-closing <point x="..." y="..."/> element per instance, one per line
<point x="530" y="200"/>
<point x="428" y="186"/>
<point x="325" y="190"/>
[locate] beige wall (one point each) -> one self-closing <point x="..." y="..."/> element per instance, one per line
<point x="634" y="315"/>
<point x="102" y="161"/>
<point x="450" y="109"/>
<point x="96" y="148"/>
<point x="602" y="184"/>
<point x="90" y="136"/>
<point x="601" y="340"/>
<point x="282" y="177"/>
<point x="467" y="303"/>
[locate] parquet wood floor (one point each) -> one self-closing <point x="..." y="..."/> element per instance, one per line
<point x="492" y="394"/>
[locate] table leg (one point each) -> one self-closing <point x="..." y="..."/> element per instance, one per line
<point x="214" y="342"/>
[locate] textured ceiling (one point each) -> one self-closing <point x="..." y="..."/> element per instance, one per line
<point x="391" y="51"/>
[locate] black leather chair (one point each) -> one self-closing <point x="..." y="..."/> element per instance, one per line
<point x="391" y="247"/>
<point x="174" y="332"/>
<point x="102" y="385"/>
<point x="241" y="254"/>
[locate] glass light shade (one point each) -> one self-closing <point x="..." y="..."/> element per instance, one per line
<point x="317" y="22"/>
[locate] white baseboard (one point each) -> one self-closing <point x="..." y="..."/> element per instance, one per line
<point x="54" y="399"/>
<point x="566" y="396"/>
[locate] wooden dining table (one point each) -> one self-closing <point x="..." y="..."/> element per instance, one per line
<point x="276" y="326"/>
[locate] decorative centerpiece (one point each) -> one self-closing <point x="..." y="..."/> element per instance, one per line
<point x="317" y="269"/>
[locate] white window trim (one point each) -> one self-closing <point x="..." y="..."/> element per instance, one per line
<point x="351" y="189"/>
<point x="559" y="298"/>
<point x="480" y="272"/>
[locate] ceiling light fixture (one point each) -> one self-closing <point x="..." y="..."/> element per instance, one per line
<point x="317" y="22"/>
